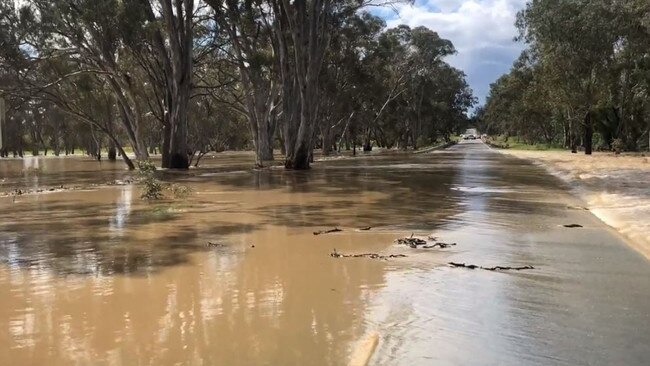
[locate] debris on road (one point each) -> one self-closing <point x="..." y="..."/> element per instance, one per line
<point x="336" y="254"/>
<point x="495" y="268"/>
<point x="335" y="230"/>
<point x="415" y="242"/>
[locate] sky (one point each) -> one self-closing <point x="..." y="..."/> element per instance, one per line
<point x="482" y="32"/>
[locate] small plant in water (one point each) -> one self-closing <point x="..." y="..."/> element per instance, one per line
<point x="618" y="145"/>
<point x="180" y="191"/>
<point x="152" y="188"/>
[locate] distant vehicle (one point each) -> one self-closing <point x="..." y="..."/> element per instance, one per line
<point x="470" y="134"/>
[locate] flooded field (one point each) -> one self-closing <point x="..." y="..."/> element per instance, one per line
<point x="97" y="276"/>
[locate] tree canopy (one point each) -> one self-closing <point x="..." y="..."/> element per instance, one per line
<point x="584" y="75"/>
<point x="186" y="77"/>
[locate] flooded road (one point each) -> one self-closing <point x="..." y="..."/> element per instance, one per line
<point x="99" y="277"/>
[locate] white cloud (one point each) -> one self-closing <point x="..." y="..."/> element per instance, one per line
<point x="481" y="30"/>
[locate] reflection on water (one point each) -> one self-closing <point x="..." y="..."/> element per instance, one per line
<point x="99" y="277"/>
<point x="122" y="211"/>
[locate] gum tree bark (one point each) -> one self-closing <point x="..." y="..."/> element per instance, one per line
<point x="301" y="34"/>
<point x="249" y="32"/>
<point x="589" y="133"/>
<point x="175" y="54"/>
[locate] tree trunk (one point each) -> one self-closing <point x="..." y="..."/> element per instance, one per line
<point x="327" y="142"/>
<point x="179" y="23"/>
<point x="367" y="146"/>
<point x="567" y="142"/>
<point x="175" y="53"/>
<point x="283" y="150"/>
<point x="178" y="157"/>
<point x="133" y="133"/>
<point x="120" y="150"/>
<point x="164" y="151"/>
<point x="3" y="139"/>
<point x="112" y="152"/>
<point x="264" y="145"/>
<point x="301" y="31"/>
<point x="261" y="121"/>
<point x="589" y="133"/>
<point x="572" y="138"/>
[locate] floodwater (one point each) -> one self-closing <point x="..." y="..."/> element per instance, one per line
<point x="96" y="276"/>
<point x="616" y="188"/>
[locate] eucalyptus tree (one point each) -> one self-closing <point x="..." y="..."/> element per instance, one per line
<point x="180" y="76"/>
<point x="248" y="27"/>
<point x="301" y="32"/>
<point x="172" y="41"/>
<point x="412" y="92"/>
<point x="588" y="72"/>
<point x="60" y="44"/>
<point x="426" y="61"/>
<point x="347" y="81"/>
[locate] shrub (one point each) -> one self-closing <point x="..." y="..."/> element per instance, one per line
<point x="617" y="145"/>
<point x="180" y="191"/>
<point x="151" y="187"/>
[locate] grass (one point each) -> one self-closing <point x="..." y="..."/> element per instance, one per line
<point x="516" y="143"/>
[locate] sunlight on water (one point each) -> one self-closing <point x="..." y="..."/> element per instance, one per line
<point x="100" y="277"/>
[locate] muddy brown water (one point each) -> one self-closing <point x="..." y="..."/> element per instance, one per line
<point x="98" y="277"/>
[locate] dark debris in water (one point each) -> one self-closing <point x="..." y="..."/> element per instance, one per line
<point x="335" y="230"/>
<point x="579" y="208"/>
<point x="571" y="226"/>
<point x="412" y="242"/>
<point x="440" y="245"/>
<point x="495" y="268"/>
<point x="336" y="254"/>
<point x="415" y="242"/>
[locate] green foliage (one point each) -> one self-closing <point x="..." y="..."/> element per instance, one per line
<point x="102" y="77"/>
<point x="394" y="83"/>
<point x="152" y="188"/>
<point x="618" y="145"/>
<point x="586" y="69"/>
<point x="518" y="143"/>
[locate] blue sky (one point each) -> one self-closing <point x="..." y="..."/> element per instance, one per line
<point x="481" y="30"/>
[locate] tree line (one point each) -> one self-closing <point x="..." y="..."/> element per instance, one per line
<point x="186" y="77"/>
<point x="583" y="80"/>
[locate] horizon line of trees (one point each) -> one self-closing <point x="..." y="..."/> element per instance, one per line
<point x="186" y="77"/>
<point x="583" y="79"/>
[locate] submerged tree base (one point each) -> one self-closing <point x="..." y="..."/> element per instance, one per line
<point x="179" y="161"/>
